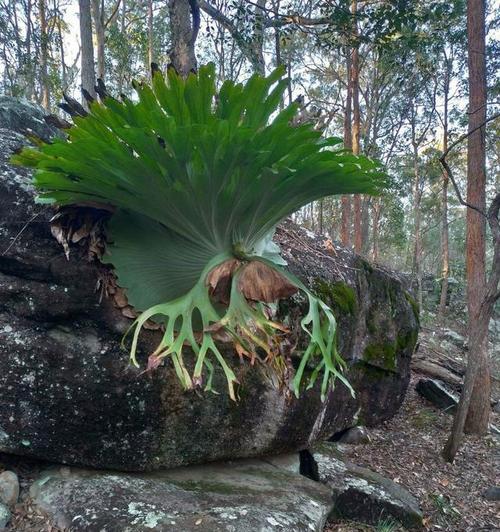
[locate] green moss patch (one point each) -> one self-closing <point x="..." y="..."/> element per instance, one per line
<point x="337" y="294"/>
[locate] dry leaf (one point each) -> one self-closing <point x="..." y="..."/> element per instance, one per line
<point x="259" y="282"/>
<point x="120" y="298"/>
<point x="329" y="245"/>
<point x="129" y="312"/>
<point x="219" y="280"/>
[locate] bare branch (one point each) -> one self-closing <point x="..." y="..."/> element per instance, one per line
<point x="445" y="165"/>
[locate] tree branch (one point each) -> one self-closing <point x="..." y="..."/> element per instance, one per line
<point x="446" y="167"/>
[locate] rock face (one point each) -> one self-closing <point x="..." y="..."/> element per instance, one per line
<point x="69" y="395"/>
<point x="247" y="496"/>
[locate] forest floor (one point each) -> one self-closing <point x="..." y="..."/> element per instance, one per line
<point x="407" y="449"/>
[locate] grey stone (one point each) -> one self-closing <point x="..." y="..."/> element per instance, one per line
<point x="243" y="496"/>
<point x="9" y="488"/>
<point x="492" y="494"/>
<point x="25" y="117"/>
<point x="355" y="435"/>
<point x="453" y="337"/>
<point x="363" y="495"/>
<point x="435" y="392"/>
<point x="69" y="395"/>
<point x="5" y="516"/>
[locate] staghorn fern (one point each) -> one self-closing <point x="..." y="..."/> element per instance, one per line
<point x="199" y="180"/>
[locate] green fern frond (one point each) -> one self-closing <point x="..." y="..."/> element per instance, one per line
<point x="195" y="178"/>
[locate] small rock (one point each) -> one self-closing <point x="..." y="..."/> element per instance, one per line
<point x="355" y="435"/>
<point x="492" y="494"/>
<point x="5" y="516"/>
<point x="9" y="488"/>
<point x="454" y="338"/>
<point x="437" y="394"/>
<point x="496" y="408"/>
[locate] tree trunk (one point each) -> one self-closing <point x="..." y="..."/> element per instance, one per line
<point x="345" y="228"/>
<point x="121" y="70"/>
<point x="479" y="409"/>
<point x="151" y="57"/>
<point x="184" y="34"/>
<point x="377" y="207"/>
<point x="87" y="54"/>
<point x="98" y="16"/>
<point x="258" y="38"/>
<point x="30" y="87"/>
<point x="356" y="123"/>
<point x="474" y="406"/>
<point x="64" y="76"/>
<point x="445" y="252"/>
<point x="44" y="56"/>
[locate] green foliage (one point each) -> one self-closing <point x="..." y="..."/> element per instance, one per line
<point x="196" y="179"/>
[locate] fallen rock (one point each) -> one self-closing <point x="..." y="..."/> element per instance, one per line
<point x="437" y="394"/>
<point x="492" y="494"/>
<point x="9" y="488"/>
<point x="69" y="395"/>
<point x="5" y="516"/>
<point x="243" y="496"/>
<point x="452" y="336"/>
<point x="363" y="495"/>
<point x="354" y="436"/>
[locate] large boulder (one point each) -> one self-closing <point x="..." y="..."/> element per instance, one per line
<point x="69" y="395"/>
<point x="244" y="496"/>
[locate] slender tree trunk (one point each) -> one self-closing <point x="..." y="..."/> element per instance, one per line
<point x="87" y="71"/>
<point x="98" y="16"/>
<point x="377" y="207"/>
<point x="151" y="57"/>
<point x="44" y="56"/>
<point x="417" y="247"/>
<point x="356" y="126"/>
<point x="479" y="408"/>
<point x="121" y="72"/>
<point x="365" y="225"/>
<point x="258" y="38"/>
<point x="64" y="76"/>
<point x="30" y="86"/>
<point x="184" y="32"/>
<point x="445" y="253"/>
<point x="474" y="406"/>
<point x="345" y="228"/>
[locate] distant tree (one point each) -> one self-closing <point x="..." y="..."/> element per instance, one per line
<point x="87" y="47"/>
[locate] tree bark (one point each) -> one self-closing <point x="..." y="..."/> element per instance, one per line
<point x="64" y="76"/>
<point x="479" y="408"/>
<point x="184" y="32"/>
<point x="345" y="228"/>
<point x="44" y="56"/>
<point x="151" y="57"/>
<point x="258" y="38"/>
<point x="87" y="54"/>
<point x="98" y="16"/>
<point x="377" y="207"/>
<point x="445" y="252"/>
<point x="474" y="406"/>
<point x="356" y="126"/>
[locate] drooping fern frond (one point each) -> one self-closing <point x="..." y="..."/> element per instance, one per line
<point x="198" y="180"/>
